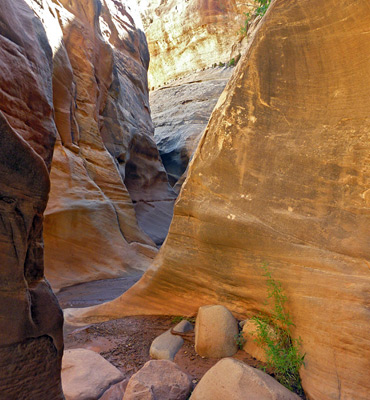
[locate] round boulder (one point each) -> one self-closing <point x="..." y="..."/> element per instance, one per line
<point x="159" y="379"/>
<point x="234" y="380"/>
<point x="86" y="374"/>
<point x="215" y="332"/>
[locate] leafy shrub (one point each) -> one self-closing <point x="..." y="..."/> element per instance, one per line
<point x="261" y="8"/>
<point x="282" y="351"/>
<point x="240" y="340"/>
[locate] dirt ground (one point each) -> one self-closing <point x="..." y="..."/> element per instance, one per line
<point x="126" y="342"/>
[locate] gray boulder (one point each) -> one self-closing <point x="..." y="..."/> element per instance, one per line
<point x="215" y="332"/>
<point x="231" y="379"/>
<point x="165" y="346"/>
<point x="86" y="374"/>
<point x="159" y="380"/>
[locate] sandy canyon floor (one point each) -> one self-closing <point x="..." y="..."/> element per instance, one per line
<point x="126" y="342"/>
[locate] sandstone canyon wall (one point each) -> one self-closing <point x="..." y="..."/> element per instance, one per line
<point x="282" y="176"/>
<point x="109" y="190"/>
<point x="191" y="44"/>
<point x="31" y="342"/>
<point x="184" y="36"/>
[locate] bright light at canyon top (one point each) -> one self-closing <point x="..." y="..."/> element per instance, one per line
<point x="136" y="8"/>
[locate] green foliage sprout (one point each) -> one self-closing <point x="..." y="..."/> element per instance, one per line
<point x="262" y="6"/>
<point x="240" y="340"/>
<point x="282" y="351"/>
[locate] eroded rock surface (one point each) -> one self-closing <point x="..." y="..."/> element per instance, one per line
<point x="180" y="112"/>
<point x="31" y="342"/>
<point x="281" y="176"/>
<point x="107" y="177"/>
<point x="185" y="36"/>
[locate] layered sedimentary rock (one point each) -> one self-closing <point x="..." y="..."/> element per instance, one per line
<point x="31" y="342"/>
<point x="184" y="36"/>
<point x="282" y="176"/>
<point x="180" y="112"/>
<point x="109" y="189"/>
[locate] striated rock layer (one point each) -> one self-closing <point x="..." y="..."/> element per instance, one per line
<point x="184" y="36"/>
<point x="180" y="112"/>
<point x="31" y="341"/>
<point x="109" y="189"/>
<point x="282" y="176"/>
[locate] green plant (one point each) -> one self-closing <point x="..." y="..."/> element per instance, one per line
<point x="282" y="351"/>
<point x="261" y="8"/>
<point x="232" y="62"/>
<point x="244" y="29"/>
<point x="240" y="340"/>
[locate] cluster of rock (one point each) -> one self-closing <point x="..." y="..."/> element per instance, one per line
<point x="87" y="375"/>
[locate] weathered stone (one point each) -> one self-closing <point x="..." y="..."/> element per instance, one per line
<point x="165" y="346"/>
<point x="180" y="112"/>
<point x="31" y="341"/>
<point x="190" y="35"/>
<point x="234" y="380"/>
<point x="159" y="379"/>
<point x="86" y="374"/>
<point x="115" y="392"/>
<point x="249" y="336"/>
<point x="281" y="175"/>
<point x="183" y="326"/>
<point x="215" y="332"/>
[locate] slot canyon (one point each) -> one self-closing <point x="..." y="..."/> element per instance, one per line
<point x="159" y="157"/>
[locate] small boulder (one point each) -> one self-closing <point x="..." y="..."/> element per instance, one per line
<point x="215" y="332"/>
<point x="159" y="379"/>
<point x="234" y="380"/>
<point x="183" y="326"/>
<point x="250" y="346"/>
<point x="165" y="346"/>
<point x="86" y="374"/>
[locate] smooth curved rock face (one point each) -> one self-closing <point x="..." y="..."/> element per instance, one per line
<point x="181" y="111"/>
<point x="105" y="162"/>
<point x="282" y="176"/>
<point x="184" y="36"/>
<point x="31" y="341"/>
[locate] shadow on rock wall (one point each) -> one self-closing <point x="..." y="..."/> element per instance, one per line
<point x="31" y="341"/>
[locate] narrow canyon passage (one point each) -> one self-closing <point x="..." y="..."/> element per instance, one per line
<point x="190" y="181"/>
